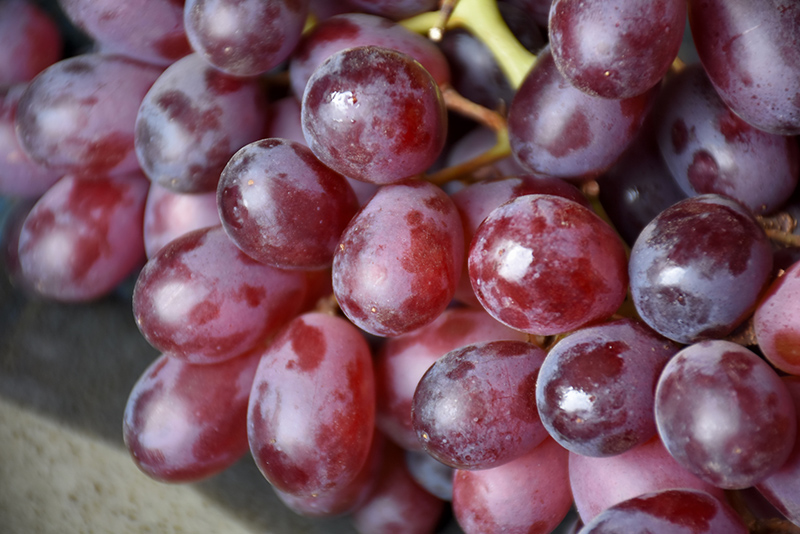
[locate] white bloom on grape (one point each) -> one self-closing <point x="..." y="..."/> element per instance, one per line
<point x="174" y="300"/>
<point x="223" y="21"/>
<point x="59" y="120"/>
<point x="514" y="262"/>
<point x="672" y="276"/>
<point x="712" y="422"/>
<point x="574" y="401"/>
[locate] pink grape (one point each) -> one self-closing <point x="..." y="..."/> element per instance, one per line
<point x="203" y="300"/>
<point x="312" y="407"/>
<point x="84" y="236"/>
<point x="547" y="265"/>
<point x="187" y="422"/>
<point x="777" y="323"/>
<point x="31" y="41"/>
<point x="169" y="215"/>
<point x="78" y="115"/>
<point x="399" y="259"/>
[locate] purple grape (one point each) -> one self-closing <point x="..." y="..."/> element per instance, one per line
<point x="733" y="40"/>
<point x="674" y="511"/>
<point x="149" y="30"/>
<point x="282" y="207"/>
<point x="31" y="41"/>
<point x="359" y="29"/>
<point x="711" y="150"/>
<point x="169" y="215"/>
<point x="244" y="37"/>
<point x="616" y="49"/>
<point x="374" y="114"/>
<point x="395" y="9"/>
<point x="475" y="407"/>
<point x="547" y="265"/>
<point x="558" y="130"/>
<point x="192" y="121"/>
<point x="724" y="414"/>
<point x="777" y="322"/>
<point x="529" y="495"/>
<point x="435" y="477"/>
<point x="84" y="236"/>
<point x="599" y="483"/>
<point x="307" y="444"/>
<point x="78" y="115"/>
<point x="187" y="422"/>
<point x="596" y="387"/>
<point x="399" y="260"/>
<point x="697" y="269"/>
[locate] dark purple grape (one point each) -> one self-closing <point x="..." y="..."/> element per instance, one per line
<point x="698" y="268"/>
<point x="359" y="29"/>
<point x="395" y="9"/>
<point x="374" y="114"/>
<point x="673" y="511"/>
<point x="616" y="49"/>
<point x="538" y="10"/>
<point x="192" y="121"/>
<point x="596" y="387"/>
<point x="547" y="265"/>
<point x="150" y="30"/>
<point x="244" y="37"/>
<point x="282" y="207"/>
<point x="711" y="150"/>
<point x="749" y="48"/>
<point x="724" y="414"/>
<point x="558" y="130"/>
<point x="475" y="408"/>
<point x="398" y="262"/>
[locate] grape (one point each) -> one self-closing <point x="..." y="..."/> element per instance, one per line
<point x="19" y="175"/>
<point x="201" y="299"/>
<point x="78" y="115"/>
<point x="284" y="120"/>
<point x="345" y="499"/>
<point x="307" y="444"/>
<point x="395" y="9"/>
<point x="599" y="483"/>
<point x="84" y="236"/>
<point x="596" y="387"/>
<point x="781" y="488"/>
<point x="192" y="121"/>
<point x="724" y="414"/>
<point x="697" y="269"/>
<point x="397" y="503"/>
<point x="480" y="140"/>
<point x="638" y="187"/>
<point x="359" y="29"/>
<point x="282" y="207"/>
<point x="538" y="10"/>
<point x="169" y="215"/>
<point x="711" y="150"/>
<point x="528" y="495"/>
<point x="733" y="39"/>
<point x="776" y="322"/>
<point x="374" y="114"/>
<point x="547" y="265"/>
<point x="477" y="201"/>
<point x="558" y="130"/>
<point x="435" y="477"/>
<point x="475" y="408"/>
<point x="675" y="511"/>
<point x="403" y="360"/>
<point x="615" y="49"/>
<point x="12" y="216"/>
<point x="185" y="422"/>
<point x="244" y="37"/>
<point x="150" y="30"/>
<point x="399" y="259"/>
<point x="31" y="41"/>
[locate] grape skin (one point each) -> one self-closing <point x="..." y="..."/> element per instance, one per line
<point x="201" y="299"/>
<point x="697" y="269"/>
<point x="547" y="265"/>
<point x="399" y="259"/>
<point x="724" y="414"/>
<point x="183" y="422"/>
<point x="374" y="114"/>
<point x="31" y="42"/>
<point x="776" y="325"/>
<point x="288" y="428"/>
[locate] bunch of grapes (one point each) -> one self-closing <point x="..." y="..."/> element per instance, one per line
<point x="528" y="263"/>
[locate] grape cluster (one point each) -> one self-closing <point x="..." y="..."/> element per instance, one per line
<point x="573" y="290"/>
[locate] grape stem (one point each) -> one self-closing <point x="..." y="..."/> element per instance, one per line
<point x="779" y="229"/>
<point x="757" y="525"/>
<point x="483" y="20"/>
